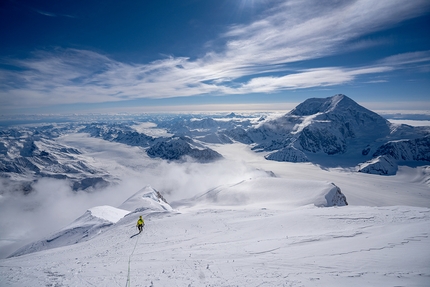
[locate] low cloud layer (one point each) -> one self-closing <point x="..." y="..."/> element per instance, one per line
<point x="52" y="204"/>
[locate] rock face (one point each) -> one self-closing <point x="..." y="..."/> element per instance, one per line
<point x="406" y="150"/>
<point x="290" y="154"/>
<point x="335" y="197"/>
<point x="320" y="126"/>
<point x="382" y="165"/>
<point x="179" y="147"/>
<point x="388" y="155"/>
<point x="329" y="123"/>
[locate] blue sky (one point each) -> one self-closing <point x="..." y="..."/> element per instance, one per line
<point x="184" y="55"/>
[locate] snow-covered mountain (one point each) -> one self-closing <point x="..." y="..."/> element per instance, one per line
<point x="389" y="155"/>
<point x="382" y="165"/>
<point x="331" y="126"/>
<point x="147" y="199"/>
<point x="168" y="148"/>
<point x="406" y="150"/>
<point x="319" y="130"/>
<point x="337" y="126"/>
<point x="30" y="154"/>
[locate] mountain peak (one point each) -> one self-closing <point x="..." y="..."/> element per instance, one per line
<point x="333" y="125"/>
<point x="322" y="105"/>
<point x="146" y="199"/>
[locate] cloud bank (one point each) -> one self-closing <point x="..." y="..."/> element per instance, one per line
<point x="53" y="204"/>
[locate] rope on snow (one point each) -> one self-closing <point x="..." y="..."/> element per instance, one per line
<point x="129" y="260"/>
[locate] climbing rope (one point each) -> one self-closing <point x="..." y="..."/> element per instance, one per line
<point x="129" y="260"/>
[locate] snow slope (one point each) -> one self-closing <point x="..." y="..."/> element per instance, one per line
<point x="261" y="242"/>
<point x="146" y="199"/>
<point x="89" y="225"/>
<point x="95" y="220"/>
<point x="243" y="246"/>
<point x="272" y="191"/>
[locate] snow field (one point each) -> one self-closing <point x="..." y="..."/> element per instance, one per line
<point x="380" y="239"/>
<point x="305" y="246"/>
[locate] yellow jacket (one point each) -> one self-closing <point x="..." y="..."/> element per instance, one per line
<point x="140" y="222"/>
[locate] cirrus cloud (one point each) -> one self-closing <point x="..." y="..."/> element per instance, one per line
<point x="255" y="58"/>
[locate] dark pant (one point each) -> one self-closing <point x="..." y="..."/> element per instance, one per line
<point x="140" y="227"/>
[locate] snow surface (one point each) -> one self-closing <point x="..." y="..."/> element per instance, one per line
<point x="305" y="246"/>
<point x="271" y="239"/>
<point x="108" y="213"/>
<point x="89" y="225"/>
<point x="415" y="123"/>
<point x="146" y="198"/>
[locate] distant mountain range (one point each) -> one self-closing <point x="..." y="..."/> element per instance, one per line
<point x="333" y="131"/>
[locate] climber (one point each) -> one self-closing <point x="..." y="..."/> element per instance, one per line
<point x="140" y="224"/>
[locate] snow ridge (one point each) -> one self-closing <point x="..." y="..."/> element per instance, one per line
<point x="98" y="219"/>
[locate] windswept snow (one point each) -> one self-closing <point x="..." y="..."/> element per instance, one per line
<point x="273" y="192"/>
<point x="89" y="225"/>
<point x="306" y="246"/>
<point x="146" y="199"/>
<point x="95" y="220"/>
<point x="213" y="239"/>
<point x="108" y="213"/>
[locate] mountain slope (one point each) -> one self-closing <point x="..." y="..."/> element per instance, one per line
<point x="328" y="126"/>
<point x="213" y="246"/>
<point x="336" y="130"/>
<point x="259" y="192"/>
<point x="32" y="154"/>
<point x="177" y="148"/>
<point x="272" y="192"/>
<point x="97" y="219"/>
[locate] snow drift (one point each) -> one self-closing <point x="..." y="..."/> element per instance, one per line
<point x="272" y="192"/>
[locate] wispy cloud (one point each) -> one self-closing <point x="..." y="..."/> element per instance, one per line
<point x="322" y="77"/>
<point x="46" y="13"/>
<point x="290" y="32"/>
<point x="407" y="58"/>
